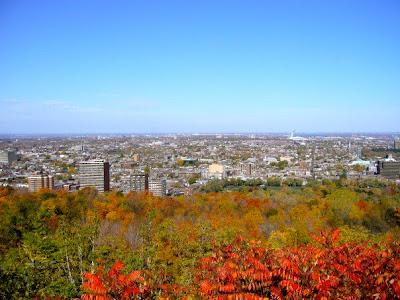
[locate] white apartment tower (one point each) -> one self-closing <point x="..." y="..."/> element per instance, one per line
<point x="95" y="173"/>
<point x="158" y="187"/>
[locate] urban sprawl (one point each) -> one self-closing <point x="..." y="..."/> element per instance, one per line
<point x="178" y="164"/>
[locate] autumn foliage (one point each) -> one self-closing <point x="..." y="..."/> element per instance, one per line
<point x="327" y="270"/>
<point x="51" y="243"/>
<point x="113" y="284"/>
<point x="242" y="270"/>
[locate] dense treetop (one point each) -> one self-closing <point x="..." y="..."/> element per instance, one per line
<point x="54" y="243"/>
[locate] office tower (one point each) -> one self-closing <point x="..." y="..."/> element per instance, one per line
<point x="139" y="182"/>
<point x="7" y="157"/>
<point x="40" y="181"/>
<point x="158" y="187"/>
<point x="95" y="173"/>
<point x="388" y="169"/>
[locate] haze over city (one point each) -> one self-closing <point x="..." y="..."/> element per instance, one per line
<point x="205" y="66"/>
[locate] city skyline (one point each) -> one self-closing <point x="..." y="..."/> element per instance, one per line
<point x="223" y="67"/>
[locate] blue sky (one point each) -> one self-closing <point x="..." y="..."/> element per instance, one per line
<point x="199" y="66"/>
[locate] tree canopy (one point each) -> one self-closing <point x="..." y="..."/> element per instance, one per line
<point x="60" y="244"/>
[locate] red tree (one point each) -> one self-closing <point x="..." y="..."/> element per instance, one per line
<point x="114" y="284"/>
<point x="247" y="271"/>
<point x="331" y="270"/>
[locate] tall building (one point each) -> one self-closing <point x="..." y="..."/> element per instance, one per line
<point x="388" y="169"/>
<point x="158" y="187"/>
<point x="7" y="157"/>
<point x="396" y="144"/>
<point x="139" y="182"/>
<point x="40" y="181"/>
<point x="95" y="173"/>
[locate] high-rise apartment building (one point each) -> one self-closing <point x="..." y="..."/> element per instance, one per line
<point x="40" y="181"/>
<point x="7" y="157"/>
<point x="139" y="182"/>
<point x="95" y="173"/>
<point x="158" y="187"/>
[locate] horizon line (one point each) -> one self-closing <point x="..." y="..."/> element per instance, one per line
<point x="200" y="133"/>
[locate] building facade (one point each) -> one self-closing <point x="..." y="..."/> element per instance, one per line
<point x="95" y="173"/>
<point x="247" y="169"/>
<point x="216" y="171"/>
<point x="396" y="144"/>
<point x="158" y="187"/>
<point x="388" y="169"/>
<point x="139" y="182"/>
<point x="40" y="181"/>
<point x="7" y="157"/>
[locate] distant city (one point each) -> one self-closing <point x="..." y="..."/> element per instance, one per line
<point x="177" y="164"/>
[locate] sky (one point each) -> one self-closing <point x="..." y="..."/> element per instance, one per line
<point x="199" y="66"/>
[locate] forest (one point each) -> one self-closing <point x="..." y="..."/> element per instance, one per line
<point x="329" y="240"/>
